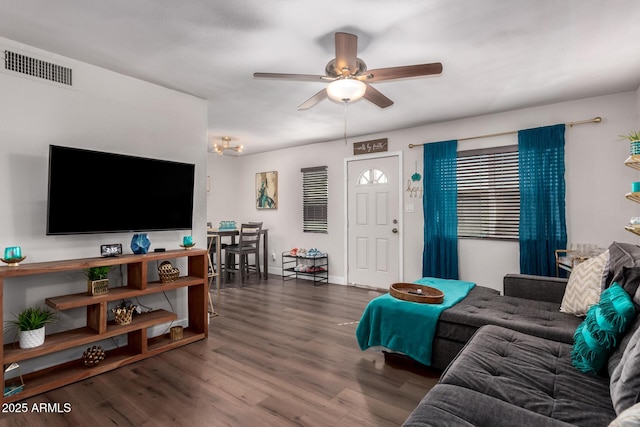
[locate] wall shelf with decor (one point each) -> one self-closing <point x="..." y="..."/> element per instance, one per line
<point x="139" y="346"/>
<point x="633" y="161"/>
<point x="317" y="267"/>
<point x="633" y="230"/>
<point x="635" y="197"/>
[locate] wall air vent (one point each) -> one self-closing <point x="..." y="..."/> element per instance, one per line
<point x="37" y="68"/>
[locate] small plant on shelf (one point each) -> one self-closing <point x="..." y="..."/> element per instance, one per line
<point x="634" y="140"/>
<point x="30" y="324"/>
<point x="97" y="273"/>
<point x="97" y="279"/>
<point x="632" y="136"/>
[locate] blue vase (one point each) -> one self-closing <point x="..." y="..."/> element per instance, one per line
<point x="140" y="243"/>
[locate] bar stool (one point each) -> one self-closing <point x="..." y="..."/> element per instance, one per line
<point x="248" y="244"/>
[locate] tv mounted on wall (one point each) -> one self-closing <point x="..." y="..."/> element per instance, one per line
<point x="98" y="192"/>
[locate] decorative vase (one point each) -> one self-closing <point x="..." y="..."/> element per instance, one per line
<point x="140" y="243"/>
<point x="31" y="339"/>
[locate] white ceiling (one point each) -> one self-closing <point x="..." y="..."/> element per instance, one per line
<point x="497" y="55"/>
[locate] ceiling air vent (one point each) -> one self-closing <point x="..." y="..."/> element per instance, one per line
<point x="37" y="68"/>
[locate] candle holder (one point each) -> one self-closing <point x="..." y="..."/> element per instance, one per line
<point x="13" y="262"/>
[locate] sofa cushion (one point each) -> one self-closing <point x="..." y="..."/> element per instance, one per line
<point x="442" y="407"/>
<point x="596" y="337"/>
<point x="484" y="306"/>
<point x="625" y="378"/>
<point x="532" y="373"/>
<point x="538" y="288"/>
<point x="630" y="417"/>
<point x="630" y="282"/>
<point x="585" y="285"/>
<point x="622" y="255"/>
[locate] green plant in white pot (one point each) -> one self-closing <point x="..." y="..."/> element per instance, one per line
<point x="30" y="325"/>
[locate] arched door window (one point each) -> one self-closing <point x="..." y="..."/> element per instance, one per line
<point x="372" y="176"/>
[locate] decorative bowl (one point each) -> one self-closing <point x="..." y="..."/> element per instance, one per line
<point x="416" y="293"/>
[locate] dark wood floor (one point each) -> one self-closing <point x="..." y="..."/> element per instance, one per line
<point x="279" y="354"/>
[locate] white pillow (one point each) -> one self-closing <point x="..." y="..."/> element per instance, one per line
<point x="585" y="284"/>
<point x="628" y="418"/>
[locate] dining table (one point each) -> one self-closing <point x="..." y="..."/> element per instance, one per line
<point x="220" y="233"/>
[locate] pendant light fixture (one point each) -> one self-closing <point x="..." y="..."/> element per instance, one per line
<point x="226" y="140"/>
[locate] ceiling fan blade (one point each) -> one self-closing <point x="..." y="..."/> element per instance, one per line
<point x="375" y="96"/>
<point x="297" y="77"/>
<point x="401" y="72"/>
<point x="313" y="100"/>
<point x="346" y="51"/>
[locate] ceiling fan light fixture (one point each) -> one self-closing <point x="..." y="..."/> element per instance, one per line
<point x="346" y="90"/>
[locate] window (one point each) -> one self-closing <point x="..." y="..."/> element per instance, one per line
<point x="488" y="193"/>
<point x="315" y="196"/>
<point x="372" y="176"/>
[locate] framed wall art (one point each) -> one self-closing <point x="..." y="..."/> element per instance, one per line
<point x="267" y="190"/>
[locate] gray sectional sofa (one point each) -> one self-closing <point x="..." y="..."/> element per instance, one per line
<point x="507" y="360"/>
<point x="531" y="304"/>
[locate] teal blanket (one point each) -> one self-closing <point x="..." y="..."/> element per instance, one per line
<point x="408" y="327"/>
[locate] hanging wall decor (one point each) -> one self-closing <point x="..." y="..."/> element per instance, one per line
<point x="267" y="190"/>
<point x="373" y="146"/>
<point x="414" y="190"/>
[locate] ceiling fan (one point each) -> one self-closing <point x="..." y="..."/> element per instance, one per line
<point x="350" y="78"/>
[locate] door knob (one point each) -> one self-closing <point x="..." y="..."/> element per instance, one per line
<point x="394" y="230"/>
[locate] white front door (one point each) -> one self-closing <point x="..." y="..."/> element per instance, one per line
<point x="373" y="222"/>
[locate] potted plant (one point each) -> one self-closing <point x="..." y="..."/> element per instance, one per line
<point x="634" y="138"/>
<point x="30" y="324"/>
<point x="97" y="280"/>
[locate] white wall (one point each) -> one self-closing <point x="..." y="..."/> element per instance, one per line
<point x="232" y="197"/>
<point x="103" y="111"/>
<point x="596" y="182"/>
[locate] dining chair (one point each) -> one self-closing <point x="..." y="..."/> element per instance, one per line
<point x="248" y="244"/>
<point x="212" y="255"/>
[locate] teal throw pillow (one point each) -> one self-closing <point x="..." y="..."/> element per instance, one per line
<point x="596" y="337"/>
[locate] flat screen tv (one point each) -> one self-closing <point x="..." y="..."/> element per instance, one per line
<point x="97" y="192"/>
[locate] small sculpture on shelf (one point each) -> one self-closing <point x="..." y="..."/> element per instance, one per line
<point x="123" y="314"/>
<point x="140" y="243"/>
<point x="93" y="355"/>
<point x="167" y="272"/>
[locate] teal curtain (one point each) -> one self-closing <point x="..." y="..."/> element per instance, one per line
<point x="543" y="227"/>
<point x="440" y="253"/>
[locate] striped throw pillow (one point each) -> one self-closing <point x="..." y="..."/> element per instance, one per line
<point x="585" y="285"/>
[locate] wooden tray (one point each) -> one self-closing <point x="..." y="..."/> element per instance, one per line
<point x="416" y="293"/>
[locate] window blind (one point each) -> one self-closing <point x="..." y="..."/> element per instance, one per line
<point x="315" y="197"/>
<point x="488" y="193"/>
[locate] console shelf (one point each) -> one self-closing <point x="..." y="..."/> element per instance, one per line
<point x="98" y="328"/>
